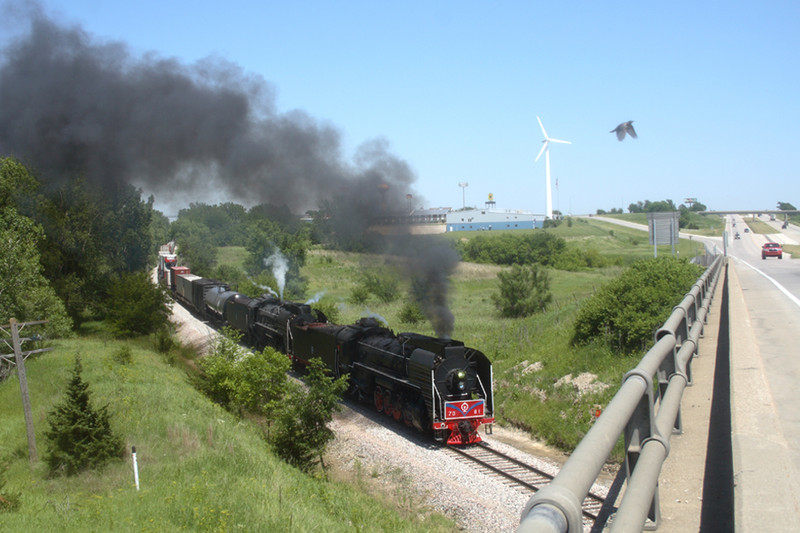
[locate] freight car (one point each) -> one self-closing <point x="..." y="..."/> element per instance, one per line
<point x="432" y="384"/>
<point x="167" y="258"/>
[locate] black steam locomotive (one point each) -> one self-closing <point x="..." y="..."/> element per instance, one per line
<point x="430" y="383"/>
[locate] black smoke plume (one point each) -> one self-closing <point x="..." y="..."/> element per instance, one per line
<point x="429" y="264"/>
<point x="71" y="105"/>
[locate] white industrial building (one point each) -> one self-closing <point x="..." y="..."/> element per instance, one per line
<point x="492" y="219"/>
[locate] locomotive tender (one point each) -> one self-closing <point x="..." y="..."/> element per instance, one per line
<point x="433" y="384"/>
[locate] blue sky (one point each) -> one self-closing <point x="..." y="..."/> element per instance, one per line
<point x="455" y="88"/>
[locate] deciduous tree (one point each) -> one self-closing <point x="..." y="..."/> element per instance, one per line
<point x="302" y="433"/>
<point x="137" y="306"/>
<point x="25" y="294"/>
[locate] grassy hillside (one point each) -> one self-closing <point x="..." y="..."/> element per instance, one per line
<point x="543" y="384"/>
<point x="201" y="469"/>
<point x="553" y="411"/>
<point x="708" y="225"/>
<point x="618" y="244"/>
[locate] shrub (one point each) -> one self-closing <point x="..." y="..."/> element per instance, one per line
<point x="136" y="306"/>
<point x="79" y="437"/>
<point x="383" y="286"/>
<point x="410" y="313"/>
<point x="217" y="379"/>
<point x="123" y="355"/>
<point x="626" y="312"/>
<point x="524" y="290"/>
<point x="162" y="339"/>
<point x="260" y="382"/>
<point x="573" y="259"/>
<point x="510" y="249"/>
<point x="329" y="308"/>
<point x="243" y="381"/>
<point x="302" y="433"/>
<point x="551" y="223"/>
<point x="232" y="275"/>
<point x="359" y="295"/>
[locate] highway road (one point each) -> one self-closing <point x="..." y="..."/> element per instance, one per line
<point x="765" y="374"/>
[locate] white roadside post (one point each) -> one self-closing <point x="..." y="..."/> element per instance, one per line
<point x="135" y="467"/>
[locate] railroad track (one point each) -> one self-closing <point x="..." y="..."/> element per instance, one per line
<point x="519" y="474"/>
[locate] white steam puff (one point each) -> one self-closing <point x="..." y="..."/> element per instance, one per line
<point x="280" y="267"/>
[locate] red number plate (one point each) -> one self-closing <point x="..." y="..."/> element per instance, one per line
<point x="464" y="409"/>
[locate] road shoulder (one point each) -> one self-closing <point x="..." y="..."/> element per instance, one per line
<point x="766" y="484"/>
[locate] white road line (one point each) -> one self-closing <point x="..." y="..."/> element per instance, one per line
<point x="780" y="287"/>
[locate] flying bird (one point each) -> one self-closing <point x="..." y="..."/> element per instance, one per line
<point x="622" y="129"/>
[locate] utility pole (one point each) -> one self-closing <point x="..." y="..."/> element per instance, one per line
<point x="19" y="360"/>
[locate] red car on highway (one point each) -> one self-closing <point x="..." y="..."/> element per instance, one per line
<point x="771" y="249"/>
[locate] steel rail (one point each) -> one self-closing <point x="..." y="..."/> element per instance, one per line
<point x="591" y="505"/>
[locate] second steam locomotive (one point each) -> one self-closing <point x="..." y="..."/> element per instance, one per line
<point x="433" y="384"/>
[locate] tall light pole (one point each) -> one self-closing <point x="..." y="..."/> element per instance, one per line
<point x="463" y="186"/>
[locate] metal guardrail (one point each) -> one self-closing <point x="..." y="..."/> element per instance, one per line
<point x="647" y="412"/>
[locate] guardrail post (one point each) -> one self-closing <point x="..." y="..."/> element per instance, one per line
<point x="668" y="368"/>
<point x="640" y="428"/>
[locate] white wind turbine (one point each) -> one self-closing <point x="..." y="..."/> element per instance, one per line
<point x="545" y="149"/>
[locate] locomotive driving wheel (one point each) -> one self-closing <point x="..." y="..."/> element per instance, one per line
<point x="408" y="418"/>
<point x="387" y="402"/>
<point x="378" y="398"/>
<point x="397" y="407"/>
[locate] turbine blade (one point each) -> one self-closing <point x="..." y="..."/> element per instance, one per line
<point x="559" y="141"/>
<point x="542" y="126"/>
<point x="544" y="147"/>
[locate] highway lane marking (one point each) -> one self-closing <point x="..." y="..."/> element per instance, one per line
<point x="780" y="287"/>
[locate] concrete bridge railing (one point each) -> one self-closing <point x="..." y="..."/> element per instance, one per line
<point x="646" y="410"/>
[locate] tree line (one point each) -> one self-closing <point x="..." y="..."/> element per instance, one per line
<point x="72" y="254"/>
<point x="68" y="251"/>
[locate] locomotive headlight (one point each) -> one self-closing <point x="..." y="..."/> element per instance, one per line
<point x="461" y="377"/>
<point x="457" y="381"/>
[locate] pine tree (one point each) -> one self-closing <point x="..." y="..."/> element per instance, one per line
<point x="524" y="290"/>
<point x="79" y="437"/>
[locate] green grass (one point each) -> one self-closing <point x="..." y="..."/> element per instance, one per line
<point x="232" y="255"/>
<point x="619" y="244"/>
<point x="531" y="400"/>
<point x="562" y="418"/>
<point x="762" y="228"/>
<point x="200" y="468"/>
<point x="706" y="225"/>
<point x="792" y="249"/>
